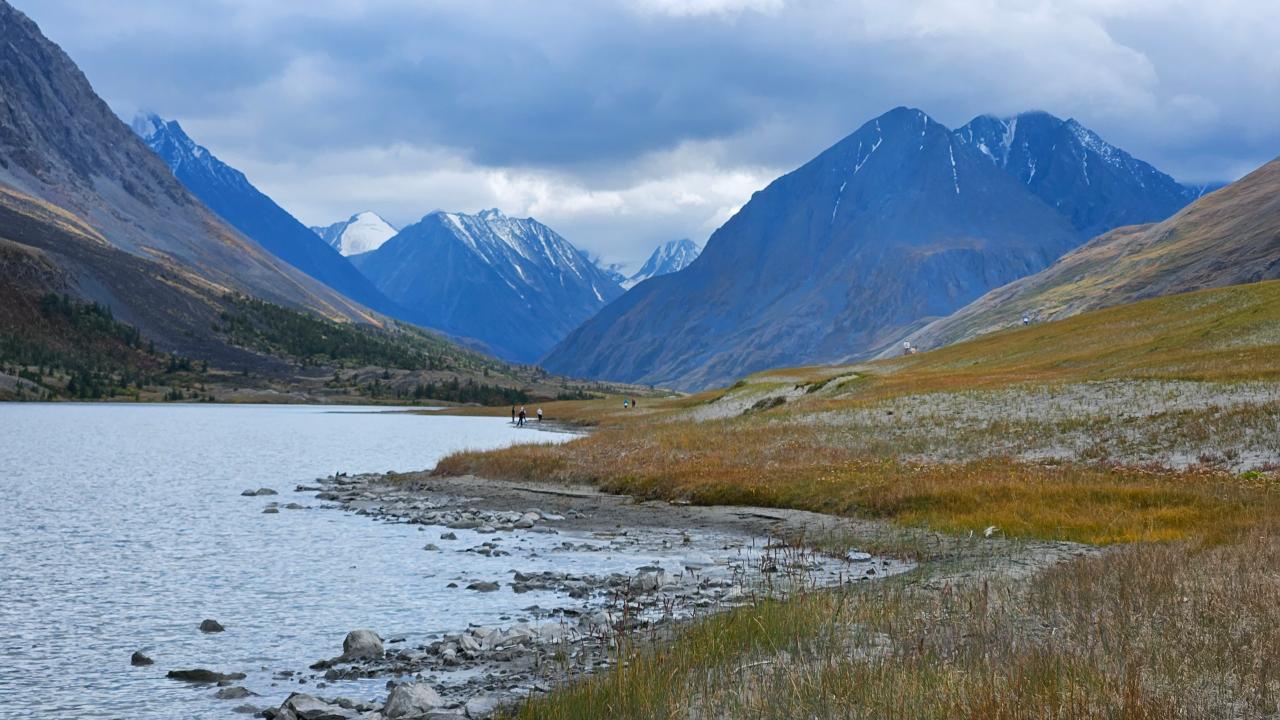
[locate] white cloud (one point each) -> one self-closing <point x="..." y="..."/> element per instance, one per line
<point x="621" y="219"/>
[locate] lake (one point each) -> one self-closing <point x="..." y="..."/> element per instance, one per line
<point x="124" y="527"/>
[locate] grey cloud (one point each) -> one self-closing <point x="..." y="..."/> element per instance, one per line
<point x="603" y="96"/>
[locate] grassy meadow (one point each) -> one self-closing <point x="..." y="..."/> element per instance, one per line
<point x="1151" y="430"/>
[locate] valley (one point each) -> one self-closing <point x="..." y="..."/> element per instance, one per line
<point x="963" y="416"/>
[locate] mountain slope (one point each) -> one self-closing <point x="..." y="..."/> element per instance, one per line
<point x="671" y="256"/>
<point x="1229" y="237"/>
<point x="511" y="283"/>
<point x="360" y="233"/>
<point x="60" y="144"/>
<point x="897" y="222"/>
<point x="1095" y="184"/>
<point x="229" y="193"/>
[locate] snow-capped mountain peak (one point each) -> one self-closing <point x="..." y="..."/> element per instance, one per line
<point x="671" y="256"/>
<point x="512" y="283"/>
<point x="1095" y="184"/>
<point x="361" y="233"/>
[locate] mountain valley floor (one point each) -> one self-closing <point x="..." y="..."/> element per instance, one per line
<point x="1147" y="432"/>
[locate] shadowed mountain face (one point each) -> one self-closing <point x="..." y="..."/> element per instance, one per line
<point x="229" y="193"/>
<point x="61" y="146"/>
<point x="1228" y="237"/>
<point x="897" y="222"/>
<point x="512" y="283"/>
<point x="1096" y="185"/>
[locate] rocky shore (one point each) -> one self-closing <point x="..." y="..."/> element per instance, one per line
<point x="688" y="561"/>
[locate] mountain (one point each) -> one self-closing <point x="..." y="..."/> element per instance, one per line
<point x="361" y="233"/>
<point x="902" y="222"/>
<point x="613" y="270"/>
<point x="1096" y="185"/>
<point x="671" y="256"/>
<point x="66" y="158"/>
<point x="229" y="193"/>
<point x="512" y="283"/>
<point x="1228" y="237"/>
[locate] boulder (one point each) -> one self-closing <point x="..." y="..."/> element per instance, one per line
<point x="265" y="491"/>
<point x="271" y="510"/>
<point x="234" y="693"/>
<point x="482" y="707"/>
<point x="309" y="707"/>
<point x="211" y="626"/>
<point x="138" y="659"/>
<point x="362" y="645"/>
<point x="483" y="586"/>
<point x="201" y="675"/>
<point x="411" y="699"/>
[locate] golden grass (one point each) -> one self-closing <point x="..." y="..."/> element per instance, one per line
<point x="779" y="459"/>
<point x="1145" y="632"/>
<point x="787" y="466"/>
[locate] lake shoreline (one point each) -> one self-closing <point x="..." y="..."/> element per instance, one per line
<point x="512" y="664"/>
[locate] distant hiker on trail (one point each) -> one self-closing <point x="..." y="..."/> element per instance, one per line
<point x="625" y="403"/>
<point x="513" y="414"/>
<point x="521" y="416"/>
<point x="539" y="414"/>
<point x="1026" y="319"/>
<point x="633" y="403"/>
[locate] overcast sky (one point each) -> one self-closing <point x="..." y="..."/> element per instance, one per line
<point x="624" y="124"/>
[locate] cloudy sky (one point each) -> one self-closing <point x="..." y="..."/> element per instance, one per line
<point x="630" y="122"/>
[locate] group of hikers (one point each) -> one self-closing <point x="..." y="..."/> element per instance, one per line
<point x="518" y="418"/>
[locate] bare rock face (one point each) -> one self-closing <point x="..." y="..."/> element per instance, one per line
<point x="411" y="699"/>
<point x="362" y="645"/>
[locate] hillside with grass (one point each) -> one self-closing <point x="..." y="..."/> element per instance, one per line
<point x="1147" y="429"/>
<point x="1228" y="237"/>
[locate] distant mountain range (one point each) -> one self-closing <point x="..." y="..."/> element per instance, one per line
<point x="1229" y="237"/>
<point x="900" y="223"/>
<point x="226" y="191"/>
<point x="512" y="283"/>
<point x="360" y="233"/>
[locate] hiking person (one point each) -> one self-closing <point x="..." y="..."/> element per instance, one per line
<point x="625" y="403"/>
<point x="513" y="413"/>
<point x="539" y="414"/>
<point x="521" y="416"/>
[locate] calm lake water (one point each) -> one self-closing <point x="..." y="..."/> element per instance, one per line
<point x="124" y="527"/>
